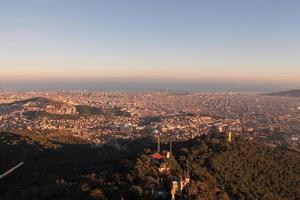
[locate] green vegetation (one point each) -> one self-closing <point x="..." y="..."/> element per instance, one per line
<point x="88" y="110"/>
<point x="251" y="171"/>
<point x="82" y="110"/>
<point x="245" y="170"/>
<point x="38" y="101"/>
<point x="150" y="119"/>
<point x="63" y="166"/>
<point x="32" y="115"/>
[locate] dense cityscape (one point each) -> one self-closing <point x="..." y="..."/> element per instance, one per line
<point x="149" y="100"/>
<point x="101" y="117"/>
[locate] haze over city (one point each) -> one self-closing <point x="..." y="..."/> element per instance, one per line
<point x="149" y="100"/>
<point x="198" y="45"/>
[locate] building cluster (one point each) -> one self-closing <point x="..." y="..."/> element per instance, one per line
<point x="179" y="116"/>
<point x="169" y="183"/>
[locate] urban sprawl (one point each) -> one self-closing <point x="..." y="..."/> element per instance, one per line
<point x="102" y="117"/>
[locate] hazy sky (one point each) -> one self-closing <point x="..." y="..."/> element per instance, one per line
<point x="237" y="40"/>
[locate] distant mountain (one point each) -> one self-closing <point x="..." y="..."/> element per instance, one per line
<point x="288" y="93"/>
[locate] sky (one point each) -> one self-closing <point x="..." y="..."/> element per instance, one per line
<point x="247" y="45"/>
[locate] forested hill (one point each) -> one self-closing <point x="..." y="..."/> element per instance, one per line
<point x="68" y="168"/>
<point x="247" y="170"/>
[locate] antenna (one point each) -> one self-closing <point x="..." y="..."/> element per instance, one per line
<point x="229" y="127"/>
<point x="11" y="170"/>
<point x="171" y="147"/>
<point x="187" y="167"/>
<point x="158" y="143"/>
<point x="229" y="135"/>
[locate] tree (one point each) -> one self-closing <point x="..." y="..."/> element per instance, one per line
<point x="97" y="194"/>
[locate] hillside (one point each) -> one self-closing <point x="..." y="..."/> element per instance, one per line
<point x="40" y="104"/>
<point x="68" y="168"/>
<point x="37" y="102"/>
<point x="243" y="169"/>
<point x="288" y="93"/>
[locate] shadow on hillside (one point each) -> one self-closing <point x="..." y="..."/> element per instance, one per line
<point x="45" y="166"/>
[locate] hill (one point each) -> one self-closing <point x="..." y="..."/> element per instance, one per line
<point x="288" y="93"/>
<point x="39" y="107"/>
<point x="38" y="102"/>
<point x="69" y="168"/>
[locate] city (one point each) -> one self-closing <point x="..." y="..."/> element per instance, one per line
<point x="149" y="100"/>
<point x="175" y="116"/>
